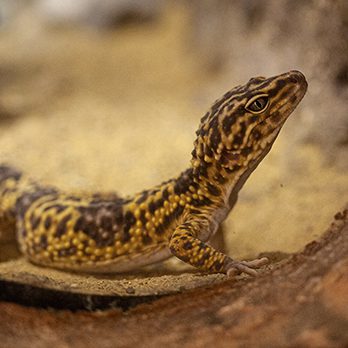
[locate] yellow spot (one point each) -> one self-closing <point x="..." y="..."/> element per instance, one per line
<point x="138" y="232"/>
<point x="75" y="242"/>
<point x="88" y="250"/>
<point x="70" y="224"/>
<point x="176" y="198"/>
<point x="109" y="250"/>
<point x="57" y="246"/>
<point x="195" y="163"/>
<point x="195" y="196"/>
<point x="46" y="254"/>
<point x="98" y="252"/>
<point x="132" y="206"/>
<point x="165" y="204"/>
<point x="192" y="189"/>
<point x="137" y="213"/>
<point x="82" y="236"/>
<point x="152" y="232"/>
<point x="207" y="159"/>
<point x="119" y="251"/>
<point x="143" y="205"/>
<point x="181" y="202"/>
<point x="91" y="243"/>
<point x="30" y="235"/>
<point x="148" y="225"/>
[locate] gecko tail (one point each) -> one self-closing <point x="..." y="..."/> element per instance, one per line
<point x="9" y="193"/>
<point x="9" y="172"/>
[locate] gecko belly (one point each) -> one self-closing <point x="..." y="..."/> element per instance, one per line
<point x="124" y="263"/>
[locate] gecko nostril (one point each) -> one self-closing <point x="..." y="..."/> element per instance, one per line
<point x="296" y="77"/>
<point x="293" y="79"/>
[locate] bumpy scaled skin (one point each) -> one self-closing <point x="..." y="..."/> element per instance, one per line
<point x="106" y="233"/>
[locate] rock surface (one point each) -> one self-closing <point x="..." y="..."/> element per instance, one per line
<point x="302" y="302"/>
<point x="28" y="284"/>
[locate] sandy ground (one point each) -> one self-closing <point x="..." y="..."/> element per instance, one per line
<point x="88" y="110"/>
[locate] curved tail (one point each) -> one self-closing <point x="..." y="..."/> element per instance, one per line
<point x="10" y="179"/>
<point x="11" y="187"/>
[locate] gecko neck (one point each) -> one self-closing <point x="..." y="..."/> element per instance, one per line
<point x="222" y="180"/>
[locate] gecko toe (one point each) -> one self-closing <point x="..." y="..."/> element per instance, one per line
<point x="248" y="267"/>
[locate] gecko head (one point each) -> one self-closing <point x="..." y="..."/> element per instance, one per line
<point x="247" y="119"/>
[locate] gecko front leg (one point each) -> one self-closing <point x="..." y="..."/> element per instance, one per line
<point x="185" y="245"/>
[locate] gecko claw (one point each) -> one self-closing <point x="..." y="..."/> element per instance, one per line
<point x="248" y="267"/>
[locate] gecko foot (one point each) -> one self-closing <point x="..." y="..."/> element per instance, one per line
<point x="237" y="267"/>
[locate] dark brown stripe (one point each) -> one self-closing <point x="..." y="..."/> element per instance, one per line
<point x="142" y="217"/>
<point x="213" y="190"/>
<point x="35" y="221"/>
<point x="228" y="122"/>
<point x="48" y="222"/>
<point x="61" y="227"/>
<point x="143" y="197"/>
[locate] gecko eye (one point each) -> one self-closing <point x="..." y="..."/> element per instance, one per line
<point x="257" y="104"/>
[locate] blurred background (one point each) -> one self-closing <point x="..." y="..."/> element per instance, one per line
<point x="106" y="95"/>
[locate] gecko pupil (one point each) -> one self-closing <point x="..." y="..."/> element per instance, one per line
<point x="258" y="104"/>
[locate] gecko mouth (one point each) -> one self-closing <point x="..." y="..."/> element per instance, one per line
<point x="289" y="99"/>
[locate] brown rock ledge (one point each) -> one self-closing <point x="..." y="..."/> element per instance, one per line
<point x="25" y="283"/>
<point x="301" y="302"/>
